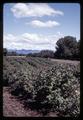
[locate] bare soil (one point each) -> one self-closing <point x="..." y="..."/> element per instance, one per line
<point x="66" y="61"/>
<point x="12" y="107"/>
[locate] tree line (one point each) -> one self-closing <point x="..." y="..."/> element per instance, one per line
<point x="66" y="48"/>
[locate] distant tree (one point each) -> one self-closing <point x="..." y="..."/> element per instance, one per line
<point x="32" y="54"/>
<point x="4" y="51"/>
<point x="47" y="53"/>
<point x="79" y="48"/>
<point x="77" y="52"/>
<point x="13" y="53"/>
<point x="43" y="53"/>
<point x="67" y="48"/>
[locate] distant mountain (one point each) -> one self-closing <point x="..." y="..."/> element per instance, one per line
<point x="23" y="51"/>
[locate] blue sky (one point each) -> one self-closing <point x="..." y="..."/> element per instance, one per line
<point x="39" y="26"/>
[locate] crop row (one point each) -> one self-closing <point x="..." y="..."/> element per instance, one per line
<point x="46" y="85"/>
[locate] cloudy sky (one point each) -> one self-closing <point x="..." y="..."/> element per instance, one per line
<point x="38" y="26"/>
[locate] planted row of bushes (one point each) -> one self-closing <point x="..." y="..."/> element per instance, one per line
<point x="55" y="88"/>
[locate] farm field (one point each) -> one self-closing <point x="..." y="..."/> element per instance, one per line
<point x="41" y="87"/>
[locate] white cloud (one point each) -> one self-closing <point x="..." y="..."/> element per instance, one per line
<point x="10" y="37"/>
<point x="34" y="10"/>
<point x="37" y="23"/>
<point x="31" y="41"/>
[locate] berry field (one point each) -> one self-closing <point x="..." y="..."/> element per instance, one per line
<point x="45" y="85"/>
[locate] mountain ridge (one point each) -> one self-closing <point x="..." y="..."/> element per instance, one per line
<point x="23" y="51"/>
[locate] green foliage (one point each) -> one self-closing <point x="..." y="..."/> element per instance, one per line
<point x="67" y="48"/>
<point x="5" y="51"/>
<point x="43" y="53"/>
<point x="57" y="87"/>
<point x="51" y="86"/>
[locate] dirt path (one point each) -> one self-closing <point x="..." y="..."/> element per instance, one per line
<point x="14" y="108"/>
<point x="66" y="61"/>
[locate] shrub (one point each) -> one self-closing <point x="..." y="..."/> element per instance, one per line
<point x="57" y="87"/>
<point x="47" y="86"/>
